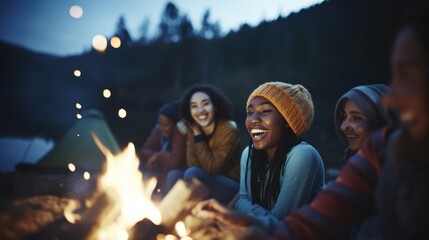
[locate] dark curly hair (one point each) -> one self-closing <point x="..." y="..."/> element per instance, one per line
<point x="221" y="104"/>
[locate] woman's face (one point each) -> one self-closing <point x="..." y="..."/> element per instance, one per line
<point x="202" y="110"/>
<point x="409" y="81"/>
<point x="355" y="125"/>
<point x="265" y="125"/>
<point x="166" y="126"/>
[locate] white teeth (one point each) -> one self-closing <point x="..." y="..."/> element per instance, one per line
<point x="255" y="131"/>
<point x="202" y="117"/>
<point x="406" y="117"/>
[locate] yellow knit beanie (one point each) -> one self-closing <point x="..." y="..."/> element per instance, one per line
<point x="292" y="101"/>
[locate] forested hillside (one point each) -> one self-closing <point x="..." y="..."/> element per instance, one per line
<point x="328" y="48"/>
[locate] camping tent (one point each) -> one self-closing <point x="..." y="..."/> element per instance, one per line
<point x="78" y="146"/>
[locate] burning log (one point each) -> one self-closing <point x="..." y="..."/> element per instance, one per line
<point x="120" y="207"/>
<point x="180" y="200"/>
<point x="175" y="206"/>
<point x="22" y="218"/>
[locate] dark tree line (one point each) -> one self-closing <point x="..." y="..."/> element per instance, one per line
<point x="328" y="48"/>
<point x="173" y="27"/>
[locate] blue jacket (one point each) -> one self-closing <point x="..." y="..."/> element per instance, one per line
<point x="303" y="178"/>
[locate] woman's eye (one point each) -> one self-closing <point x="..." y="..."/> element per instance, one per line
<point x="249" y="113"/>
<point x="264" y="111"/>
<point x="357" y="119"/>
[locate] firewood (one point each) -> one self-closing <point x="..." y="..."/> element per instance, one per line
<point x="180" y="200"/>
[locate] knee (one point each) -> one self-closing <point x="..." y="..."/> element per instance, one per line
<point x="194" y="172"/>
<point x="175" y="174"/>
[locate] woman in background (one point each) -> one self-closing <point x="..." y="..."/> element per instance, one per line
<point x="358" y="114"/>
<point x="213" y="143"/>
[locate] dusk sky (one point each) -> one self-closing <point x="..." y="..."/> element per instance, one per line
<point x="46" y="26"/>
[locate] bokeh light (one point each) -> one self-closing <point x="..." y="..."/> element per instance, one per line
<point x="71" y="167"/>
<point x="115" y="42"/>
<point x="77" y="73"/>
<point x="76" y="11"/>
<point x="78" y="116"/>
<point x="78" y="106"/>
<point x="122" y="113"/>
<point x="99" y="43"/>
<point x="86" y="175"/>
<point x="107" y="93"/>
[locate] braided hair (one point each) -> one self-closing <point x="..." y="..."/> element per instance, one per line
<point x="265" y="191"/>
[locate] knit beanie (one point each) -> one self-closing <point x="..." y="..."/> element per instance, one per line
<point x="368" y="99"/>
<point x="292" y="101"/>
<point x="171" y="111"/>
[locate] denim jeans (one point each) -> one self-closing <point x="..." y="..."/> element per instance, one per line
<point x="221" y="187"/>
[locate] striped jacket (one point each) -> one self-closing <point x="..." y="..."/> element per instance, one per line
<point x="344" y="202"/>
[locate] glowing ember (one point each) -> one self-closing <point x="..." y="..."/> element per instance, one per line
<point x="181" y="229"/>
<point x="68" y="212"/>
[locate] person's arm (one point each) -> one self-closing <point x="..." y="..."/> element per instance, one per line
<point x="261" y="217"/>
<point x="191" y="157"/>
<point x="151" y="145"/>
<point x="226" y="140"/>
<point x="235" y="224"/>
<point x="304" y="176"/>
<point x="175" y="158"/>
<point x="344" y="202"/>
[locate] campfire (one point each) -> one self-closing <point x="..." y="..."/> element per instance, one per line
<point x="119" y="207"/>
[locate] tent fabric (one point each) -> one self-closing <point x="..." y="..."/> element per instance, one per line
<point x="78" y="146"/>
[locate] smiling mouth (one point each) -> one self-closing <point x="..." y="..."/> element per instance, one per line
<point x="257" y="134"/>
<point x="351" y="137"/>
<point x="202" y="117"/>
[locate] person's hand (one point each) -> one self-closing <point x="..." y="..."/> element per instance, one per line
<point x="181" y="126"/>
<point x="151" y="163"/>
<point x="243" y="233"/>
<point x="214" y="210"/>
<point x="195" y="128"/>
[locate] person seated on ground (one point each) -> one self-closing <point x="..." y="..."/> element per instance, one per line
<point x="388" y="175"/>
<point x="358" y="114"/>
<point x="213" y="142"/>
<point x="165" y="148"/>
<point x="279" y="171"/>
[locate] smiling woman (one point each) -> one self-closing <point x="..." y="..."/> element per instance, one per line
<point x="213" y="145"/>
<point x="279" y="171"/>
<point x="358" y="114"/>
